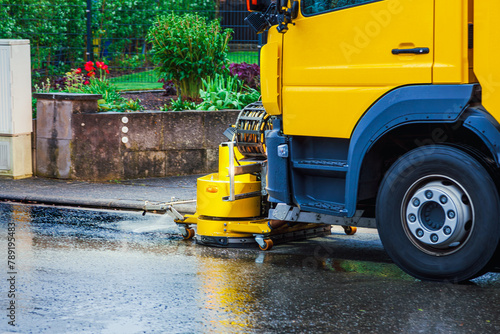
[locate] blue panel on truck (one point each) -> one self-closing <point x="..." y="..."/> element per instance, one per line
<point x="405" y="105"/>
<point x="318" y="171"/>
<point x="486" y="127"/>
<point x="278" y="183"/>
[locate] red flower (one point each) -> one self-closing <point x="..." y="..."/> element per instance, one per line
<point x="99" y="64"/>
<point x="86" y="82"/>
<point x="89" y="66"/>
<point x="78" y="71"/>
<point x="91" y="74"/>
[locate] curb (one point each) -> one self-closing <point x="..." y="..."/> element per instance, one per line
<point x="115" y="204"/>
<point x="142" y="91"/>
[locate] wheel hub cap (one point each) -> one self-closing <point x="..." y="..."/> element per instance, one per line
<point x="438" y="214"/>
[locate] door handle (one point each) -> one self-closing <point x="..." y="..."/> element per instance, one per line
<point x="419" y="51"/>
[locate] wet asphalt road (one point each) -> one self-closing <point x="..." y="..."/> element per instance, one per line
<point x="82" y="271"/>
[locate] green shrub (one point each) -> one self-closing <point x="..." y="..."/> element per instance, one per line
<point x="126" y="22"/>
<point x="186" y="48"/>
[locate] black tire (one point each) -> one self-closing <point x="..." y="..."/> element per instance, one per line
<point x="438" y="214"/>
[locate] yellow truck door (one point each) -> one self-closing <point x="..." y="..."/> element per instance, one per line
<point x="340" y="56"/>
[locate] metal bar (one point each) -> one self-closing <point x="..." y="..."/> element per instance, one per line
<point x="148" y="206"/>
<point x="289" y="213"/>
<point x="248" y="118"/>
<point x="246" y="169"/>
<point x="90" y="53"/>
<point x="242" y="196"/>
<point x="418" y="51"/>
<point x="174" y="213"/>
<point x="231" y="172"/>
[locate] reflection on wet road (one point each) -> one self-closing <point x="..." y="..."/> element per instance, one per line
<point x="82" y="271"/>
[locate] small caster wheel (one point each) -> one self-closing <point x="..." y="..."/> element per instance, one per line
<point x="350" y="230"/>
<point x="269" y="244"/>
<point x="189" y="234"/>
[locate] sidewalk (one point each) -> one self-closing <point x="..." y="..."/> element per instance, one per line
<point x="124" y="195"/>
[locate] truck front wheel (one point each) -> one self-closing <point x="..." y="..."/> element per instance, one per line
<point x="438" y="214"/>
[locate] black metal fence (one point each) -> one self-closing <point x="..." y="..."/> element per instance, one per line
<point x="66" y="33"/>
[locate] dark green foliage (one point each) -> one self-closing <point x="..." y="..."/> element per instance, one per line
<point x="57" y="28"/>
<point x="53" y="28"/>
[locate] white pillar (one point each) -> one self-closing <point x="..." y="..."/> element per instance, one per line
<point x="15" y="109"/>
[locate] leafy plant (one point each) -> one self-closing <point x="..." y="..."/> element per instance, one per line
<point x="226" y="92"/>
<point x="108" y="91"/>
<point x="73" y="81"/>
<point x="46" y="87"/>
<point x="179" y="105"/>
<point x="94" y="81"/>
<point x="186" y="48"/>
<point x="111" y="98"/>
<point x="123" y="106"/>
<point x="248" y="73"/>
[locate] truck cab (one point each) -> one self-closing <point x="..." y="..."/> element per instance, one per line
<point x="388" y="110"/>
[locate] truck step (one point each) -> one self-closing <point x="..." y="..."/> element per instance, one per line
<point x="326" y="165"/>
<point x="323" y="206"/>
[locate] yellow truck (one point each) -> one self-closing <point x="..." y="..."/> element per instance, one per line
<point x="375" y="113"/>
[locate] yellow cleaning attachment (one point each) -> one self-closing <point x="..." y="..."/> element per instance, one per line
<point x="219" y="221"/>
<point x="242" y="222"/>
<point x="232" y="205"/>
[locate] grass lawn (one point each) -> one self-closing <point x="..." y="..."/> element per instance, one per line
<point x="138" y="85"/>
<point x="146" y="76"/>
<point x="148" y="80"/>
<point x="249" y="57"/>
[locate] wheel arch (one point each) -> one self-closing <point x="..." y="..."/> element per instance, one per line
<point x="410" y="107"/>
<point x="395" y="143"/>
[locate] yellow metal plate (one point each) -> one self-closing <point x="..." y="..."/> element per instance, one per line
<point x="486" y="53"/>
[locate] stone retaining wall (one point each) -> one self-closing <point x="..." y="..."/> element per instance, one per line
<point x="73" y="141"/>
